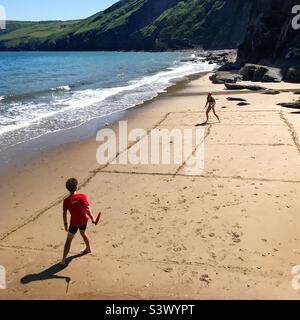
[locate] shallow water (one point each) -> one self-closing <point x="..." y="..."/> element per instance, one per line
<point x="43" y="92"/>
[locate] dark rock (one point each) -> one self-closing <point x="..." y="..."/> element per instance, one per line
<point x="255" y="72"/>
<point x="235" y="99"/>
<point x="271" y="91"/>
<point x="293" y="53"/>
<point x="189" y="60"/>
<point x="293" y="105"/>
<point x="255" y="88"/>
<point x="270" y="36"/>
<point x="230" y="66"/>
<point x="293" y="75"/>
<point x="225" y="77"/>
<point x="219" y="56"/>
<point x="230" y="86"/>
<point x="273" y="75"/>
<point x="243" y="104"/>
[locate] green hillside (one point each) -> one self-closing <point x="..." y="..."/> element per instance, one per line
<point x="29" y="35"/>
<point x="139" y="25"/>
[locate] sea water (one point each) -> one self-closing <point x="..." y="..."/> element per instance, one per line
<point x="44" y="92"/>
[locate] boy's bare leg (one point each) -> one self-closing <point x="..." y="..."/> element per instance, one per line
<point x="86" y="241"/>
<point x="67" y="247"/>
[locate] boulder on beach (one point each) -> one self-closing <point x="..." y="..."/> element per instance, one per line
<point x="271" y="92"/>
<point x="219" y="57"/>
<point x="233" y="86"/>
<point x="225" y="77"/>
<point x="243" y="104"/>
<point x="230" y="66"/>
<point x="256" y="72"/>
<point x="293" y="105"/>
<point x="273" y="75"/>
<point x="236" y="99"/>
<point x="293" y="75"/>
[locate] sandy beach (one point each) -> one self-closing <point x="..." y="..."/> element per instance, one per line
<point x="230" y="233"/>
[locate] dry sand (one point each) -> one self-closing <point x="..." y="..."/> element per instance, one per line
<point x="230" y="233"/>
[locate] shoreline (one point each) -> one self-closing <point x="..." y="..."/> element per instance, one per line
<point x="21" y="153"/>
<point x="231" y="233"/>
<point x="51" y="148"/>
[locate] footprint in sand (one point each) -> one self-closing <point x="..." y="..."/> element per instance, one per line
<point x="205" y="278"/>
<point x="235" y="237"/>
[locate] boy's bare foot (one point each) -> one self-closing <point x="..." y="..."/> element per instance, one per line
<point x="86" y="251"/>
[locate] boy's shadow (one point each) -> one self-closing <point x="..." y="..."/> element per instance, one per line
<point x="50" y="273"/>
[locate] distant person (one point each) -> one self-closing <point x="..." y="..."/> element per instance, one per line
<point x="78" y="206"/>
<point x="210" y="105"/>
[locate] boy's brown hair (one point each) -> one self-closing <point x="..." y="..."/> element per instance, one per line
<point x="72" y="184"/>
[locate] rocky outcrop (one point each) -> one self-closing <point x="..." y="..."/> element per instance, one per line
<point x="225" y="77"/>
<point x="293" y="105"/>
<point x="293" y="75"/>
<point x="230" y="86"/>
<point x="220" y="57"/>
<point x="270" y="38"/>
<point x="271" y="92"/>
<point x="236" y="99"/>
<point x="255" y="72"/>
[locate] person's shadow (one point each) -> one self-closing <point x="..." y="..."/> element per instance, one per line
<point x="51" y="272"/>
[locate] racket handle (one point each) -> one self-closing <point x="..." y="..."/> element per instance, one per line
<point x="98" y="218"/>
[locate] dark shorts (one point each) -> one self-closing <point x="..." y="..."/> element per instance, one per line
<point x="74" y="230"/>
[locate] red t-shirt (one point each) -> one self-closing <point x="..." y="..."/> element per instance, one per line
<point x="77" y="204"/>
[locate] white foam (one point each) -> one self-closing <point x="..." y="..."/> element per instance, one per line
<point x="134" y="93"/>
<point x="61" y="88"/>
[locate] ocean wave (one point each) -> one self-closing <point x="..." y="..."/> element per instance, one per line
<point x="73" y="108"/>
<point x="61" y="88"/>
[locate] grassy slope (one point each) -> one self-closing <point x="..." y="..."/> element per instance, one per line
<point x="18" y="32"/>
<point x="111" y="18"/>
<point x="184" y="19"/>
<point x="133" y="24"/>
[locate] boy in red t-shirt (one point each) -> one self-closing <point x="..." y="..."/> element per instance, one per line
<point x="78" y="207"/>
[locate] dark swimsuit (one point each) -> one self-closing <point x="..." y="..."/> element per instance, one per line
<point x="211" y="102"/>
